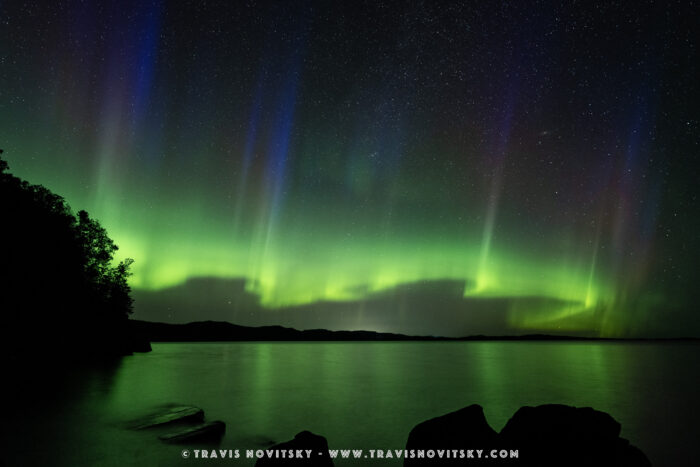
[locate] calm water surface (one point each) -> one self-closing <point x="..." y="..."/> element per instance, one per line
<point x="358" y="395"/>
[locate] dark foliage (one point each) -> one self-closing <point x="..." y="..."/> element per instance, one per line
<point x="59" y="289"/>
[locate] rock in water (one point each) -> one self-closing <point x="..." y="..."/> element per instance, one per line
<point x="205" y="432"/>
<point x="170" y="415"/>
<point x="303" y="442"/>
<point x="464" y="429"/>
<point x="555" y="435"/>
<point x="544" y="436"/>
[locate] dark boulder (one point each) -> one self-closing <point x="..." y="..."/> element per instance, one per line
<point x="550" y="435"/>
<point x="543" y="436"/>
<point x="465" y="429"/>
<point x="306" y="449"/>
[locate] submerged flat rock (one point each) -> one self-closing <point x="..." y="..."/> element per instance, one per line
<point x="183" y="413"/>
<point x="210" y="431"/>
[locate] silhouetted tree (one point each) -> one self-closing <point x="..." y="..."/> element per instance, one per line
<point x="59" y="288"/>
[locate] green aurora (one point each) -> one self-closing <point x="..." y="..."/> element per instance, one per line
<point x="254" y="154"/>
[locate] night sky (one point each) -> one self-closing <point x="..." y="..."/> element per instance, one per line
<point x="419" y="167"/>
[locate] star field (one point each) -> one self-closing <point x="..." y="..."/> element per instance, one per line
<point x="307" y="156"/>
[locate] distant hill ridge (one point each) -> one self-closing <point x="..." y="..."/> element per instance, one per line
<point x="212" y="331"/>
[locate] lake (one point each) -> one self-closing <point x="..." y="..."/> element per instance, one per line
<point x="358" y="395"/>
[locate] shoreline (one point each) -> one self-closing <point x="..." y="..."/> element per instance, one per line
<point x="221" y="331"/>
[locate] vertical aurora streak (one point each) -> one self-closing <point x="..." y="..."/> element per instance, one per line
<point x="334" y="157"/>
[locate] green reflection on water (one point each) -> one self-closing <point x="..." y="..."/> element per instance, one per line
<point x="358" y="395"/>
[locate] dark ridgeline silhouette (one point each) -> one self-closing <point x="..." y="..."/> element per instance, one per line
<point x="60" y="294"/>
<point x="222" y="331"/>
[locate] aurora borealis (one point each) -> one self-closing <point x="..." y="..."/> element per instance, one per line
<point x="423" y="167"/>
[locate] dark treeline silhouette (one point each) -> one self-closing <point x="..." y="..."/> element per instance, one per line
<point x="61" y="295"/>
